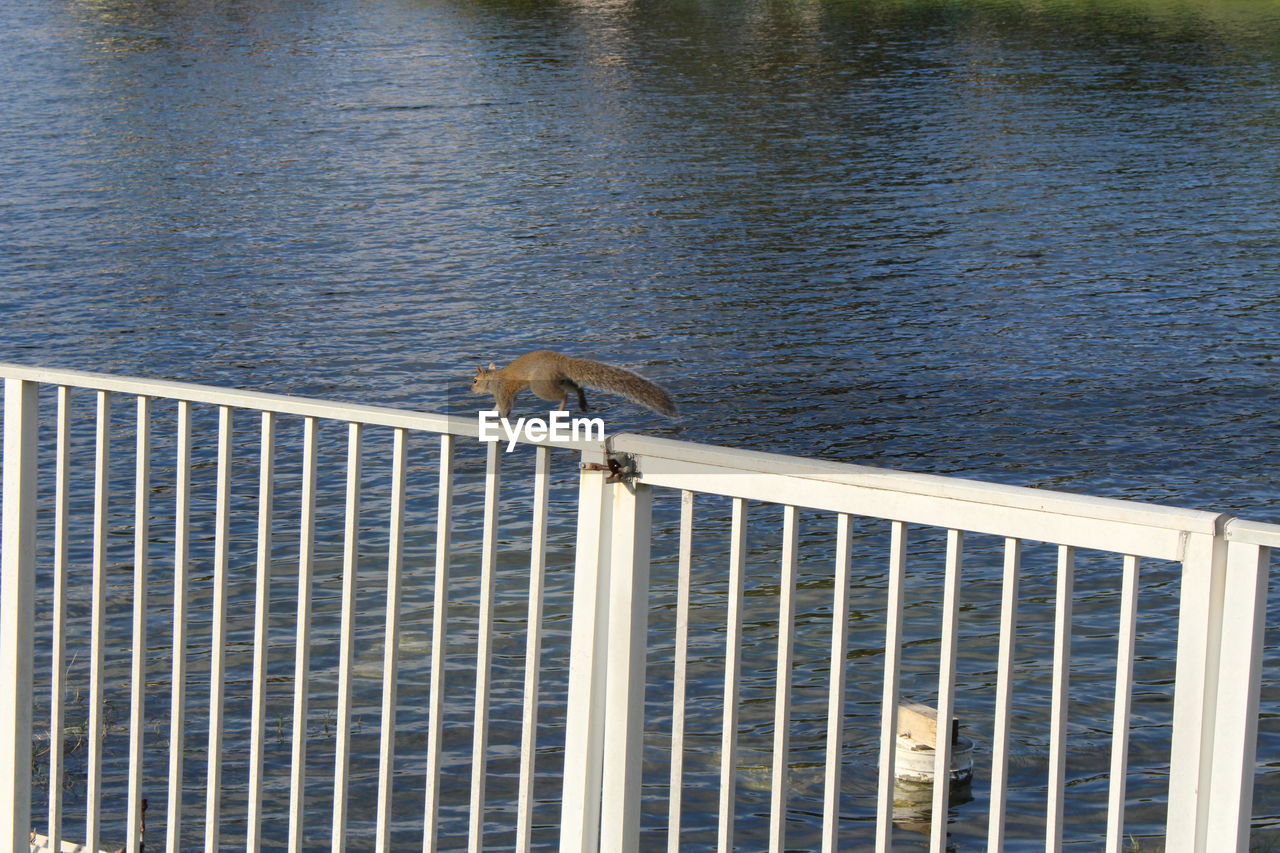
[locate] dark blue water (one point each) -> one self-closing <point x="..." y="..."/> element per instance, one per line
<point x="1033" y="243"/>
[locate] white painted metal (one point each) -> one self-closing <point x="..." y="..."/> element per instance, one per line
<point x="533" y="649"/>
<point x="584" y="716"/>
<point x="261" y="402"/>
<point x="1236" y="740"/>
<point x="680" y="675"/>
<point x="484" y="644"/>
<point x="654" y="451"/>
<point x="782" y="702"/>
<point x="178" y="690"/>
<point x="302" y="648"/>
<point x="58" y="657"/>
<point x="1058" y="707"/>
<point x="889" y="702"/>
<point x="835" y="700"/>
<point x="218" y="652"/>
<point x="770" y="465"/>
<point x="732" y="674"/>
<point x="946" y="692"/>
<point x="1194" y="697"/>
<point x="701" y="467"/>
<point x="1128" y="531"/>
<point x="440" y="608"/>
<point x="1123" y="703"/>
<point x="1004" y="694"/>
<point x="1252" y="532"/>
<point x="346" y="641"/>
<point x="138" y="668"/>
<point x="17" y="606"/>
<point x="391" y="641"/>
<point x="261" y="628"/>
<point x="98" y="617"/>
<point x="624" y="690"/>
<point x="1215" y="707"/>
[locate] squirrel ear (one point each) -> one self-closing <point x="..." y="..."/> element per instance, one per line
<point x="493" y="366"/>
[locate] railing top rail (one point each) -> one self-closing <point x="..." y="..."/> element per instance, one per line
<point x="729" y="459"/>
<point x="698" y="456"/>
<point x="261" y="401"/>
<point x="1252" y="532"/>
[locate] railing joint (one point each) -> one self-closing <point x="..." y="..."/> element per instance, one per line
<point x="621" y="468"/>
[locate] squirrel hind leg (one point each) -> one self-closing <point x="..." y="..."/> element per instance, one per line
<point x="567" y="385"/>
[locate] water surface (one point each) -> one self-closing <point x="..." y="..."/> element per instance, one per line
<point x="1024" y="242"/>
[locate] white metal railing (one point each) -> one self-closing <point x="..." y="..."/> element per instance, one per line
<point x="1224" y="569"/>
<point x="1223" y="603"/>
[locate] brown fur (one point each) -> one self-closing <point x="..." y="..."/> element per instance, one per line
<point x="553" y="376"/>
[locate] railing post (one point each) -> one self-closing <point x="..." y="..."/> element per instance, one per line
<point x="627" y="645"/>
<point x="17" y="603"/>
<point x="1235" y="743"/>
<point x="584" y="719"/>
<point x="1195" y="702"/>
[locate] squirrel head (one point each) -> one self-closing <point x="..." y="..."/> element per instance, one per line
<point x="480" y="384"/>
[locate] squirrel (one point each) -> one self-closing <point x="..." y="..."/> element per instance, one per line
<point x="552" y="375"/>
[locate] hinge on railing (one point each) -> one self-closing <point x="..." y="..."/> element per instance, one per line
<point x="621" y="468"/>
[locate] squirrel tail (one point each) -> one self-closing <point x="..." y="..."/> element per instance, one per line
<point x="618" y="380"/>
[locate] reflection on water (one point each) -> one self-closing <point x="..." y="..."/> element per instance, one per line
<point x="1030" y="242"/>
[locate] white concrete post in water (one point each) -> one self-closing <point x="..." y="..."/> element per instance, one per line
<point x="17" y="603"/>
<point x="584" y="745"/>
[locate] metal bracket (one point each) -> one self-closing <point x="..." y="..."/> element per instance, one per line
<point x="621" y="468"/>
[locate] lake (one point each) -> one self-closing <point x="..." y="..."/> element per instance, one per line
<point x="1026" y="242"/>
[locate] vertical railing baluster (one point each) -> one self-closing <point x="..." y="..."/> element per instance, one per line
<point x="261" y="628"/>
<point x="1004" y="695"/>
<point x="946" y="691"/>
<point x="138" y="678"/>
<point x="835" y="699"/>
<point x="732" y="674"/>
<point x="302" y="646"/>
<point x="680" y="676"/>
<point x="889" y="701"/>
<point x="1059" y="703"/>
<point x="391" y="641"/>
<point x="782" y="703"/>
<point x="533" y="648"/>
<point x="98" y="618"/>
<point x="439" y="635"/>
<point x="484" y="644"/>
<point x="17" y="606"/>
<point x="178" y="687"/>
<point x="1123" y="703"/>
<point x="218" y="651"/>
<point x="58" y="681"/>
<point x="346" y="650"/>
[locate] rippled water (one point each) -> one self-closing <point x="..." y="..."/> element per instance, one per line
<point x="1029" y="242"/>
